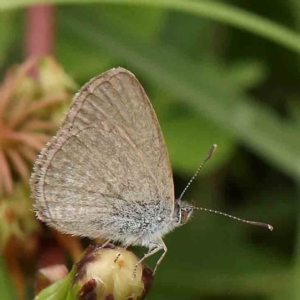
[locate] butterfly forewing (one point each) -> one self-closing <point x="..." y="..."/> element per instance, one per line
<point x="108" y="156"/>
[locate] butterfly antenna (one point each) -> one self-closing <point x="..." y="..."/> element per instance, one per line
<point x="270" y="227"/>
<point x="208" y="156"/>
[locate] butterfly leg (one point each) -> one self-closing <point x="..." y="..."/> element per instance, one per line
<point x="125" y="248"/>
<point x="102" y="245"/>
<point x="165" y="249"/>
<point x="105" y="243"/>
<point x="155" y="247"/>
<point x="119" y="254"/>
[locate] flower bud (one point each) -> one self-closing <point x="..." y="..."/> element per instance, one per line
<point x="108" y="273"/>
<point x="111" y="273"/>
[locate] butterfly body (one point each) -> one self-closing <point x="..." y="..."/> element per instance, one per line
<point x="107" y="172"/>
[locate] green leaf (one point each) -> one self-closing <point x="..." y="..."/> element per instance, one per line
<point x="6" y="286"/>
<point x="61" y="290"/>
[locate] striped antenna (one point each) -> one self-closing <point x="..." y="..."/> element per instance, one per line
<point x="270" y="227"/>
<point x="208" y="156"/>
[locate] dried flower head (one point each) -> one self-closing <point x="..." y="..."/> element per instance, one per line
<point x="32" y="96"/>
<point x="27" y="106"/>
<point x="16" y="217"/>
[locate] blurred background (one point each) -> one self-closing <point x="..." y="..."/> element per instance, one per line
<point x="222" y="72"/>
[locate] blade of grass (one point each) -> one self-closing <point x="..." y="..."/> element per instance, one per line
<point x="214" y="10"/>
<point x="295" y="288"/>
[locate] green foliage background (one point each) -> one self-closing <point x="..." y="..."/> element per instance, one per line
<point x="216" y="72"/>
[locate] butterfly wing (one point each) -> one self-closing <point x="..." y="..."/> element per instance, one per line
<point x="108" y="161"/>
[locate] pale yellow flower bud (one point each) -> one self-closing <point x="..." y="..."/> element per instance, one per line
<point x="111" y="273"/>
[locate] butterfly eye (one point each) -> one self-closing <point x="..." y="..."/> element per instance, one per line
<point x="185" y="215"/>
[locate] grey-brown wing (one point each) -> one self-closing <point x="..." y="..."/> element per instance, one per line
<point x="108" y="155"/>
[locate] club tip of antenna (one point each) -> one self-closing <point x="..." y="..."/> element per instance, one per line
<point x="211" y="152"/>
<point x="214" y="148"/>
<point x="270" y="227"/>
